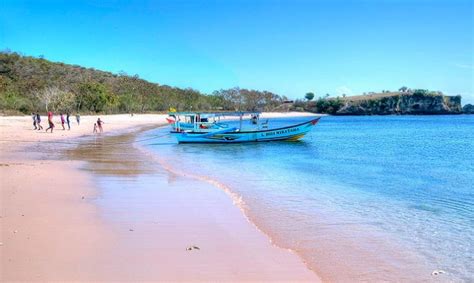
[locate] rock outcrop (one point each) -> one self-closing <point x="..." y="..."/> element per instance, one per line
<point x="401" y="104"/>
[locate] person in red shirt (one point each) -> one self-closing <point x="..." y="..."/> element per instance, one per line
<point x="50" y="121"/>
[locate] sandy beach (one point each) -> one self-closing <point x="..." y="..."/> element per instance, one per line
<point x="59" y="222"/>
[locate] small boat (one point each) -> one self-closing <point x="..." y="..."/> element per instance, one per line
<point x="191" y="127"/>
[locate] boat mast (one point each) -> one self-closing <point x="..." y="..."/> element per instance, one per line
<point x="195" y="123"/>
<point x="176" y="123"/>
<point x="240" y="127"/>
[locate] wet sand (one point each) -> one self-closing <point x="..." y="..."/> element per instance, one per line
<point x="101" y="210"/>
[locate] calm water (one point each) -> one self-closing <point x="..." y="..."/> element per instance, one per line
<point x="383" y="197"/>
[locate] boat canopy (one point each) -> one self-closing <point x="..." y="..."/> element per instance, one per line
<point x="202" y="121"/>
<point x="214" y="114"/>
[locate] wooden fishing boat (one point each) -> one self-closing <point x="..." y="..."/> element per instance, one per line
<point x="218" y="132"/>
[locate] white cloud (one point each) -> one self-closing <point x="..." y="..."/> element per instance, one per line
<point x="464" y="66"/>
<point x="344" y="90"/>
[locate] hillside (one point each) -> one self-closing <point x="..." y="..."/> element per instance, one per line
<point x="29" y="84"/>
<point x="372" y="95"/>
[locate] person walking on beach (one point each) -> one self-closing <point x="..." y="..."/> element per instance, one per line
<point x="95" y="129"/>
<point x="34" y="120"/>
<point x="78" y="118"/>
<point x="50" y="122"/>
<point x="62" y="121"/>
<point x="68" y="122"/>
<point x="38" y="121"/>
<point x="99" y="125"/>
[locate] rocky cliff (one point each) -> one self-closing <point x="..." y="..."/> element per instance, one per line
<point x="401" y="103"/>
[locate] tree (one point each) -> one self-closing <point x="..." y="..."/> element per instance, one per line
<point x="48" y="96"/>
<point x="252" y="99"/>
<point x="64" y="102"/>
<point x="12" y="100"/>
<point x="309" y="96"/>
<point x="55" y="99"/>
<point x="403" y="89"/>
<point x="420" y="92"/>
<point x="328" y="105"/>
<point x="93" y="96"/>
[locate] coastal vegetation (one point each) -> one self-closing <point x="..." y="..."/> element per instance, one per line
<point x="468" y="109"/>
<point x="29" y="84"/>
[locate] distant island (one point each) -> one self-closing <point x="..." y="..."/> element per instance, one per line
<point x="29" y="84"/>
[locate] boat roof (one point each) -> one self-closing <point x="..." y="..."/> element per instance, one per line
<point x="214" y="114"/>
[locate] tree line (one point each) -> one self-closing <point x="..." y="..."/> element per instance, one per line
<point x="29" y="84"/>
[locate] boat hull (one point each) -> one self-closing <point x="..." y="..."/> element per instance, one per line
<point x="290" y="133"/>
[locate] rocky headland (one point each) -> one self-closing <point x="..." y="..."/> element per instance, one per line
<point x="403" y="104"/>
<point x="390" y="103"/>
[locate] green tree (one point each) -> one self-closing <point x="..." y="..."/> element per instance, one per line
<point x="11" y="100"/>
<point x="64" y="101"/>
<point x="92" y="97"/>
<point x="420" y="92"/>
<point x="309" y="96"/>
<point x="403" y="89"/>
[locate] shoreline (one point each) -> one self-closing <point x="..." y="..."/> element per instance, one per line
<point x="340" y="254"/>
<point x="270" y="260"/>
<point x="236" y="200"/>
<point x="49" y="226"/>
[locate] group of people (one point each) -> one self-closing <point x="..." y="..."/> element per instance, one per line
<point x="98" y="125"/>
<point x="64" y="120"/>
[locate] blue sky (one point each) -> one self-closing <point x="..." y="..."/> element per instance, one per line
<point x="288" y="47"/>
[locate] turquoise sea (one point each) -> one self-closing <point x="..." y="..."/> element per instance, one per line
<point x="368" y="198"/>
